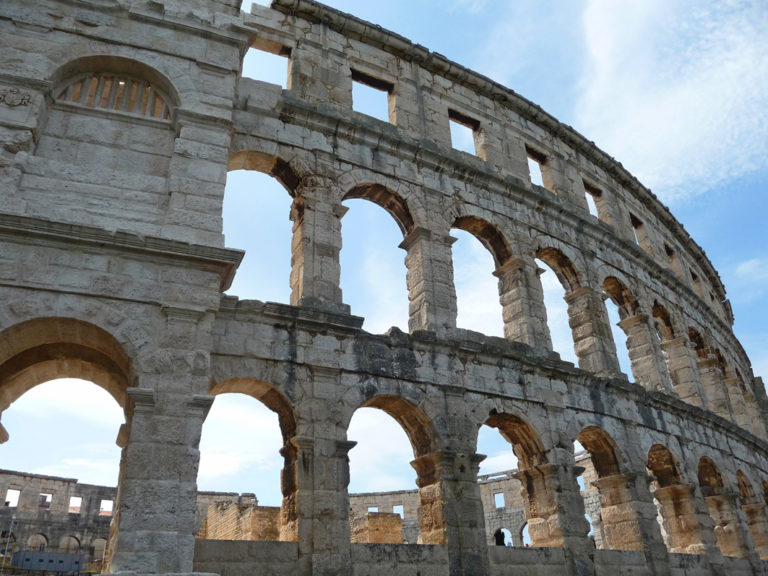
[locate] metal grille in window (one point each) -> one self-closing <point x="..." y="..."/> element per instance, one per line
<point x="115" y="92"/>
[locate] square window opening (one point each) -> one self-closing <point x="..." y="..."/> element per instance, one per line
<point x="536" y="162"/>
<point x="105" y="508"/>
<point x="373" y="97"/>
<point x="498" y="499"/>
<point x="465" y="134"/>
<point x="75" y="504"/>
<point x="268" y="62"/>
<point x="399" y="509"/>
<point x="45" y="500"/>
<point x="12" y="498"/>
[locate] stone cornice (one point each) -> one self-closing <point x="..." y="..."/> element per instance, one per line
<point x="223" y="261"/>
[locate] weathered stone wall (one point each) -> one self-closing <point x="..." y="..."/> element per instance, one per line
<point x="118" y="122"/>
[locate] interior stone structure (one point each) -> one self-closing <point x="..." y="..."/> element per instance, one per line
<point x="119" y="120"/>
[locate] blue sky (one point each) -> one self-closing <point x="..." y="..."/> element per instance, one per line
<point x="675" y="90"/>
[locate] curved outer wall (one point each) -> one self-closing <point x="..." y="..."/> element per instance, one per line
<point x="118" y="122"/>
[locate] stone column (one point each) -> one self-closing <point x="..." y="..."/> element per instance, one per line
<point x="431" y="292"/>
<point x="714" y="387"/>
<point x="315" y="247"/>
<point x="289" y="511"/>
<point x="593" y="342"/>
<point x="432" y="528"/>
<point x="522" y="302"/>
<point x="462" y="509"/>
<point x="646" y="360"/>
<point x="683" y="371"/>
<point x="156" y="505"/>
<point x="621" y="526"/>
<point x="555" y="512"/>
<point x="758" y="527"/>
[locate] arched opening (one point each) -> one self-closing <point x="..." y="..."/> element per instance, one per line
<point x="677" y="357"/>
<point x="711" y="375"/>
<point x="257" y="218"/>
<point x="534" y="479"/>
<point x="247" y="478"/>
<point x="37" y="542"/>
<point x="373" y="271"/>
<point x="557" y="313"/>
<point x="675" y="503"/>
<point x="566" y="322"/>
<point x="384" y="507"/>
<point x="97" y="550"/>
<point x="479" y="253"/>
<point x="721" y="509"/>
<point x="754" y="510"/>
<point x="69" y="545"/>
<point x="626" y="326"/>
<point x="502" y="537"/>
<point x="63" y="400"/>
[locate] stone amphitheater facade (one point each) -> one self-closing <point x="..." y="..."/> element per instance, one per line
<point x="119" y="120"/>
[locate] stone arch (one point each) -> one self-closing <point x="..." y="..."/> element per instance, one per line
<point x="489" y="236"/>
<point x="622" y="296"/>
<point x="289" y="485"/>
<point x="603" y="450"/>
<point x="395" y="205"/>
<point x="676" y="504"/>
<point x="285" y="172"/>
<point x="427" y="462"/>
<point x="755" y="512"/>
<point x="93" y="65"/>
<point x="35" y="351"/>
<point x="711" y="373"/>
<point x="69" y="544"/>
<point x="538" y="483"/>
<point x="37" y="542"/>
<point x="562" y="266"/>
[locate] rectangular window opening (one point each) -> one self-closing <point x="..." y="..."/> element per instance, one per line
<point x="75" y="503"/>
<point x="373" y="508"/>
<point x="640" y="233"/>
<point x="465" y="134"/>
<point x="105" y="508"/>
<point x="268" y="62"/>
<point x="536" y="162"/>
<point x="593" y="195"/>
<point x="498" y="499"/>
<point x="45" y="500"/>
<point x="12" y="498"/>
<point x="372" y="96"/>
<point x="399" y="509"/>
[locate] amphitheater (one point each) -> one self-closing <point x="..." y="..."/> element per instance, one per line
<point x="119" y="120"/>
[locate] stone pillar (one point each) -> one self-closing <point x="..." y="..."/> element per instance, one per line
<point x="727" y="527"/>
<point x="431" y="292"/>
<point x="432" y="528"/>
<point x="593" y="342"/>
<point x="315" y="247"/>
<point x="757" y="523"/>
<point x="463" y="513"/>
<point x="683" y="371"/>
<point x="681" y="520"/>
<point x="621" y="527"/>
<point x="522" y="302"/>
<point x="646" y="360"/>
<point x="554" y="509"/>
<point x="714" y="387"/>
<point x="738" y="404"/>
<point x="156" y="505"/>
<point x="289" y="511"/>
<point x="323" y="506"/>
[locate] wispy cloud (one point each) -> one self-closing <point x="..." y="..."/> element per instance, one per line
<point x="677" y="90"/>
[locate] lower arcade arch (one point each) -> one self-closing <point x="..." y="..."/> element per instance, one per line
<point x="755" y="514"/>
<point x="54" y="365"/>
<point x="268" y="443"/>
<point x="721" y="505"/>
<point x="373" y="515"/>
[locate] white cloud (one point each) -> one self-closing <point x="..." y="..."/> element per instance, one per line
<point x="677" y="90"/>
<point x="754" y="270"/>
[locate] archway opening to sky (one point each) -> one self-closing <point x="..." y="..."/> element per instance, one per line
<point x="557" y="313"/>
<point x="373" y="273"/>
<point x="477" y="289"/>
<point x="257" y="219"/>
<point x="240" y="472"/>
